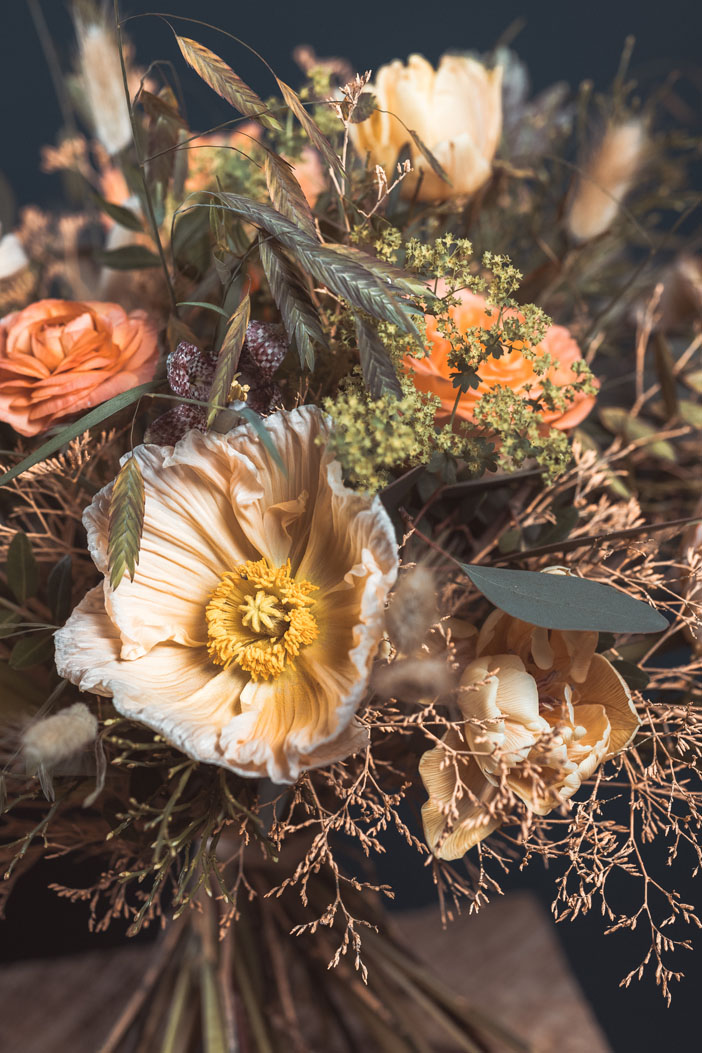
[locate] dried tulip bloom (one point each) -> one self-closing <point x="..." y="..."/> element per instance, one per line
<point x="531" y="697"/>
<point x="58" y="357"/>
<point x="513" y="369"/>
<point x="247" y="635"/>
<point x="456" y="110"/>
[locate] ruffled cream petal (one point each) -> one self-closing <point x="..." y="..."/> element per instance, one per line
<point x="176" y="690"/>
<point x="275" y="506"/>
<point x="604" y="686"/>
<point x="312" y="704"/>
<point x="441" y="780"/>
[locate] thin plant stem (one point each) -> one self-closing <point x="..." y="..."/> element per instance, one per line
<point x="147" y="193"/>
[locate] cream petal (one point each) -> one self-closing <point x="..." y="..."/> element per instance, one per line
<point x="287" y="721"/>
<point x="190" y="538"/>
<point x="604" y="686"/>
<point x="441" y="779"/>
<point x="175" y="690"/>
<point x="345" y="530"/>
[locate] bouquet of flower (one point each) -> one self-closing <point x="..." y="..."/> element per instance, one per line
<point x="351" y="482"/>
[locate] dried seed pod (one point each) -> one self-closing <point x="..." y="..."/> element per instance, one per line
<point x="413" y="679"/>
<point x="412" y="610"/>
<point x="606" y="180"/>
<point x="53" y="740"/>
<point x="100" y="78"/>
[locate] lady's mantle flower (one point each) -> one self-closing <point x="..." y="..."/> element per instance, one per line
<point x="247" y="636"/>
<point x="512" y="369"/>
<point x="531" y="696"/>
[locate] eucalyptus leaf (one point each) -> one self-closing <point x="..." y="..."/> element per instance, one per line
<point x="562" y="601"/>
<point x="22" y="570"/>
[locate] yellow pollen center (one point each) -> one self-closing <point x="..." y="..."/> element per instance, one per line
<point x="260" y="618"/>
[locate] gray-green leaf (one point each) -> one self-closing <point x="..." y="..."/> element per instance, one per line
<point x="562" y="601"/>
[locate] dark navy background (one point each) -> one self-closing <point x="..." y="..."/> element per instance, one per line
<point x="563" y="40"/>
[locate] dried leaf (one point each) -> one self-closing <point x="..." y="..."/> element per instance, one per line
<point x="376" y="364"/>
<point x="428" y="155"/>
<point x="292" y="300"/>
<point x="312" y="128"/>
<point x="222" y="79"/>
<point x="228" y="359"/>
<point x="366" y="105"/>
<point x="620" y="422"/>
<point x="22" y="570"/>
<point x="286" y="194"/>
<point x="126" y="521"/>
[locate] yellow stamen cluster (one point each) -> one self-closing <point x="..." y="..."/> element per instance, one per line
<point x="260" y="618"/>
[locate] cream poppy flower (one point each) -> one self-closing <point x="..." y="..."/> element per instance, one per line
<point x="530" y="694"/>
<point x="247" y="636"/>
<point x="456" y="110"/>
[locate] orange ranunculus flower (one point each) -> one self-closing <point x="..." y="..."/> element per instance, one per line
<point x="58" y="357"/>
<point x="433" y="373"/>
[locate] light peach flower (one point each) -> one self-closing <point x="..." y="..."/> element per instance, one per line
<point x="531" y="694"/>
<point x="456" y="110"/>
<point x="512" y="369"/>
<point x="247" y="635"/>
<point x="59" y="357"/>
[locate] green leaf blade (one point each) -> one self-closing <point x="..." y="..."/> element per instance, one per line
<point x="22" y="569"/>
<point x="59" y="589"/>
<point x="563" y="601"/>
<point x="79" y="427"/>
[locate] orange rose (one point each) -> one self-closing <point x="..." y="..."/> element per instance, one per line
<point x="512" y="369"/>
<point x="58" y="357"/>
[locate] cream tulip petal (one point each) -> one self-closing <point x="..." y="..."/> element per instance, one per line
<point x="604" y="686"/>
<point x="518" y="693"/>
<point x="174" y="689"/>
<point x="474" y="821"/>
